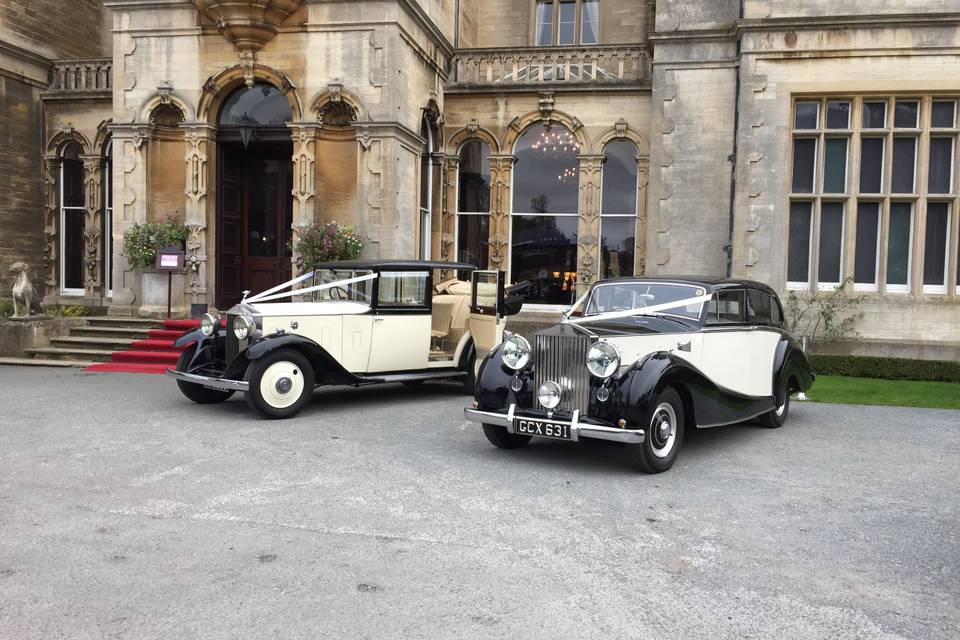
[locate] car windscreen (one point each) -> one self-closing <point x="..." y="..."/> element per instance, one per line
<point x="623" y="296"/>
<point x="353" y="292"/>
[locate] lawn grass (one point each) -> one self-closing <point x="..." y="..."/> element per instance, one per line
<point x="894" y="393"/>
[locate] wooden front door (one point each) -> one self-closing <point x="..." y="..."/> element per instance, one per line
<point x="255" y="216"/>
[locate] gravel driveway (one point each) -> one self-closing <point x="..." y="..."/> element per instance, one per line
<point x="128" y="512"/>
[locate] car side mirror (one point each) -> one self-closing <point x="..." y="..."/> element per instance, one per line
<point x="512" y="306"/>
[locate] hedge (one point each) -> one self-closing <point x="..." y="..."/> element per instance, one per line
<point x="886" y="368"/>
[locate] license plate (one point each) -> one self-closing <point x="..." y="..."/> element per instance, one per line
<point x="541" y="428"/>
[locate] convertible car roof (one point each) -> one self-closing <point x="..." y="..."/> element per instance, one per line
<point x="397" y="264"/>
<point x="716" y="282"/>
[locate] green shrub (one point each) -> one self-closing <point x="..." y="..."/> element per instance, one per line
<point x="328" y="242"/>
<point x="6" y="308"/>
<point x="142" y="241"/>
<point x="886" y="368"/>
<point x="68" y="311"/>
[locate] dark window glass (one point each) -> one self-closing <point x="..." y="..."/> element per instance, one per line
<point x="589" y="22"/>
<point x="72" y="182"/>
<point x="474" y="177"/>
<point x="898" y="247"/>
<point x="835" y="165"/>
<point x="619" y="194"/>
<point x="935" y="244"/>
<point x="545" y="175"/>
<point x="838" y="115"/>
<point x="806" y="115"/>
<point x="798" y="258"/>
<point x="618" y="239"/>
<point x="107" y="234"/>
<point x="545" y="22"/>
<point x="425" y="165"/>
<point x="804" y="160"/>
<point x="871" y="165"/>
<point x="865" y="254"/>
<point x="904" y="156"/>
<point x="265" y="196"/>
<point x="73" y="248"/>
<point x="905" y="114"/>
<point x="941" y="165"/>
<point x="759" y="307"/>
<point x="402" y="289"/>
<point x="941" y="115"/>
<point x="776" y="312"/>
<point x="566" y="31"/>
<point x="874" y="115"/>
<point x="544" y="250"/>
<point x="261" y="104"/>
<point x="725" y="307"/>
<point x="831" y="242"/>
<point x="473" y="236"/>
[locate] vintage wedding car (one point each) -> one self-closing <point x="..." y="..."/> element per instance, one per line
<point x="639" y="360"/>
<point x="360" y="322"/>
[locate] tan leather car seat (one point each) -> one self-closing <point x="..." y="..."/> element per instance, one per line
<point x="442" y="316"/>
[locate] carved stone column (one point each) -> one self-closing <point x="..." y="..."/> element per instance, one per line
<point x="200" y="143"/>
<point x="51" y="222"/>
<point x="437" y="196"/>
<point x="92" y="220"/>
<point x="448" y="208"/>
<point x="304" y="136"/>
<point x="501" y="169"/>
<point x="588" y="227"/>
<point x="643" y="178"/>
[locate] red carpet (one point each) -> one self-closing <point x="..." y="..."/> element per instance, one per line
<point x="156" y="354"/>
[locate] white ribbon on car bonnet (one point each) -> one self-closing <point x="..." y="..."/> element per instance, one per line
<point x="262" y="297"/>
<point x="280" y="287"/>
<point x="641" y="311"/>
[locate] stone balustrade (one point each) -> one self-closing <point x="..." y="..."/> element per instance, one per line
<point x="523" y="66"/>
<point x="82" y="76"/>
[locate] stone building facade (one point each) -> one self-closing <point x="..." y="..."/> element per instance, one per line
<point x="803" y="144"/>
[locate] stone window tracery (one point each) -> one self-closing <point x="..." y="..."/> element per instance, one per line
<point x="473" y="203"/>
<point x="618" y="209"/>
<point x="72" y="220"/>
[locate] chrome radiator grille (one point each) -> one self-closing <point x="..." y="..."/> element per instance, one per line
<point x="562" y="359"/>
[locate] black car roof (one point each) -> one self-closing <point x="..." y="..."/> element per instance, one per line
<point x="710" y="282"/>
<point x="413" y="265"/>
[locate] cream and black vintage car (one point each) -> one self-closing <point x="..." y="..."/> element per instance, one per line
<point x="639" y="360"/>
<point x="358" y="322"/>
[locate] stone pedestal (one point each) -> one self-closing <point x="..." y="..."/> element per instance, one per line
<point x="154" y="287"/>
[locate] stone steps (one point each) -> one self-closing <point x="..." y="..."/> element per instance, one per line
<point x="130" y="333"/>
<point x="44" y="362"/>
<point x="85" y="355"/>
<point x="87" y="342"/>
<point x="119" y="321"/>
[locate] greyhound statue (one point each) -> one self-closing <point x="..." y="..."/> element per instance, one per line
<point x="24" y="295"/>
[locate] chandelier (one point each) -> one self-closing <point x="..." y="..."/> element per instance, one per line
<point x="554" y="141"/>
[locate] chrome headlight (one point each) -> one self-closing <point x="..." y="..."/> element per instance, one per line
<point x="209" y="323"/>
<point x="515" y="352"/>
<point x="243" y="326"/>
<point x="603" y="359"/>
<point x="549" y="394"/>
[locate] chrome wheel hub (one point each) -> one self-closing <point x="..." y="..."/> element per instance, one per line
<point x="284" y="385"/>
<point x="663" y="430"/>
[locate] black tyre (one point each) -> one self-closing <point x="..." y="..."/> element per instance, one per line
<point x="197" y="393"/>
<point x="469" y="381"/>
<point x="664" y="433"/>
<point x="281" y="384"/>
<point x="775" y="419"/>
<point x="499" y="437"/>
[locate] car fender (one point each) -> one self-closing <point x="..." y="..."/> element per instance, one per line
<point x="790" y="361"/>
<point x="326" y="368"/>
<point x="638" y="387"/>
<point x="493" y="392"/>
<point x="209" y="348"/>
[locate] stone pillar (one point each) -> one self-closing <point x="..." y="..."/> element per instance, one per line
<point x="129" y="208"/>
<point x="92" y="220"/>
<point x="304" y="192"/>
<point x="51" y="224"/>
<point x="588" y="227"/>
<point x="448" y="208"/>
<point x="200" y="143"/>
<point x="640" y="246"/>
<point x="437" y="195"/>
<point x="501" y="171"/>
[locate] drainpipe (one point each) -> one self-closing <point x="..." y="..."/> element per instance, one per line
<point x="456" y="24"/>
<point x="728" y="248"/>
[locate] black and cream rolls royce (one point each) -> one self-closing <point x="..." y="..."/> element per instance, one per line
<point x="640" y="360"/>
<point x="355" y="323"/>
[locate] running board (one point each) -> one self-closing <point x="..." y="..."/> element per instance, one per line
<point x="410" y="377"/>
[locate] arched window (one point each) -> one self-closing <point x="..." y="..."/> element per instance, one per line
<point x="71" y="220"/>
<point x="426" y="187"/>
<point x="107" y="233"/>
<point x="252" y="113"/>
<point x="473" y="203"/>
<point x="545" y="197"/>
<point x="618" y="211"/>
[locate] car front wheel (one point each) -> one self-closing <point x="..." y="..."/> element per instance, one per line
<point x="664" y="434"/>
<point x="196" y="392"/>
<point x="280" y="384"/>
<point x="501" y="438"/>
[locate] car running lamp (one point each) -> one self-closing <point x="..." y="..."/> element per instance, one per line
<point x="515" y="352"/>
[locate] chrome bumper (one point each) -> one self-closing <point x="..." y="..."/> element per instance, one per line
<point x="211" y="383"/>
<point x="577" y="429"/>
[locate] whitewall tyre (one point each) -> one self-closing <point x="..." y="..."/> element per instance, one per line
<point x="775" y="419"/>
<point x="280" y="384"/>
<point x="196" y="392"/>
<point x="664" y="433"/>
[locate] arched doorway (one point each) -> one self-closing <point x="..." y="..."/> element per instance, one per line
<point x="254" y="192"/>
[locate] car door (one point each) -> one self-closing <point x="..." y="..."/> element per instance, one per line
<point x="737" y="353"/>
<point x="400" y="336"/>
<point x="486" y="311"/>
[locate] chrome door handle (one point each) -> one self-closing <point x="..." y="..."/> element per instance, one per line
<point x="378" y="319"/>
<point x="683" y="346"/>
